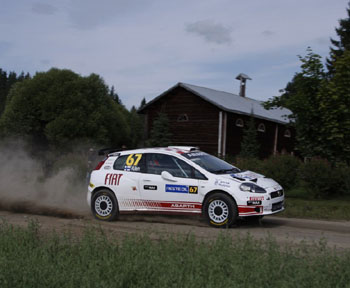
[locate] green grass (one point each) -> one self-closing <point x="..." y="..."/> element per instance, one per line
<point x="335" y="209"/>
<point x="30" y="259"/>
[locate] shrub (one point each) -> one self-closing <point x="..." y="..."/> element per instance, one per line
<point x="320" y="179"/>
<point x="283" y="169"/>
<point x="343" y="172"/>
<point x="252" y="164"/>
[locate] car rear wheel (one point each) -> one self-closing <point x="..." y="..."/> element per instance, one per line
<point x="220" y="210"/>
<point x="104" y="205"/>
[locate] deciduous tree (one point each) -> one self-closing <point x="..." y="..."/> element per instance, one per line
<point x="334" y="111"/>
<point x="301" y="97"/>
<point x="58" y="106"/>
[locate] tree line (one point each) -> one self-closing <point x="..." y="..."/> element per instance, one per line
<point x="56" y="108"/>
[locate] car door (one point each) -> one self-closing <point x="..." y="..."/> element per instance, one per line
<point x="169" y="184"/>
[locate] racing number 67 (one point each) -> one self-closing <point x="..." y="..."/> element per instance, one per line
<point x="193" y="189"/>
<point x="131" y="161"/>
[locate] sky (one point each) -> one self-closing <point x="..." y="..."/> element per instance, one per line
<point x="144" y="47"/>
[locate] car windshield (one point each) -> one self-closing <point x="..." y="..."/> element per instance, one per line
<point x="211" y="163"/>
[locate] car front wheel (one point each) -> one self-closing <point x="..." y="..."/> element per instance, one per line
<point x="220" y="210"/>
<point x="104" y="205"/>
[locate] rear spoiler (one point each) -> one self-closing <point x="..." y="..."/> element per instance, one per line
<point x="106" y="151"/>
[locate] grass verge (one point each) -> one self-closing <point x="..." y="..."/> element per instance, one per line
<point x="27" y="259"/>
<point x="336" y="209"/>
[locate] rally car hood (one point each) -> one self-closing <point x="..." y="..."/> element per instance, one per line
<point x="257" y="178"/>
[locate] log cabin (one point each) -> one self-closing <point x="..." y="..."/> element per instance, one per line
<point x="215" y="120"/>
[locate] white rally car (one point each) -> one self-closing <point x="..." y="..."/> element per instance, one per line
<point x="180" y="180"/>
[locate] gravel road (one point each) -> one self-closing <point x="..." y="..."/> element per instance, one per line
<point x="284" y="230"/>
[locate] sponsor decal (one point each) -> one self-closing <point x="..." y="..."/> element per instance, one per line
<point x="112" y="179"/>
<point x="132" y="168"/>
<point x="196" y="154"/>
<point x="107" y="167"/>
<point x="256" y="198"/>
<point x="181" y="189"/>
<point x="253" y="202"/>
<point x="176" y="188"/>
<point x="247" y="175"/>
<point x="180" y="205"/>
<point x="173" y="206"/>
<point x="150" y="187"/>
<point x="222" y="183"/>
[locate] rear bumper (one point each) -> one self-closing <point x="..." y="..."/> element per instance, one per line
<point x="88" y="196"/>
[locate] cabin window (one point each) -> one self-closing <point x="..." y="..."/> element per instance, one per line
<point x="261" y="127"/>
<point x="287" y="133"/>
<point x="239" y="122"/>
<point x="182" y="118"/>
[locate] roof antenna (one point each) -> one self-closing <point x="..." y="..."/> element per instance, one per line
<point x="243" y="78"/>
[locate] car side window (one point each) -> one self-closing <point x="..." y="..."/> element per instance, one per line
<point x="119" y="164"/>
<point x="199" y="175"/>
<point x="157" y="163"/>
<point x="130" y="162"/>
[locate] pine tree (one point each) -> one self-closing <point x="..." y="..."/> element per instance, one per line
<point x="143" y="103"/>
<point x="7" y="80"/>
<point x="3" y="90"/>
<point x="114" y="95"/>
<point x="341" y="45"/>
<point x="250" y="146"/>
<point x="160" y="133"/>
<point x="137" y="128"/>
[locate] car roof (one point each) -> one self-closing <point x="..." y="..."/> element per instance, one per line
<point x="168" y="150"/>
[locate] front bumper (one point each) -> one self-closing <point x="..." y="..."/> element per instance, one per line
<point x="266" y="204"/>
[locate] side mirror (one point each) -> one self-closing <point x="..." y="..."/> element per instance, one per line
<point x="167" y="176"/>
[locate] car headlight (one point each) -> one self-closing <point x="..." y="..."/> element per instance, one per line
<point x="251" y="187"/>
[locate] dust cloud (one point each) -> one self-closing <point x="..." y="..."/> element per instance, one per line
<point x="27" y="187"/>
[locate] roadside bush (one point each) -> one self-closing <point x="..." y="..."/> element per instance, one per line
<point x="314" y="179"/>
<point x="283" y="169"/>
<point x="320" y="179"/>
<point x="252" y="164"/>
<point x="343" y="173"/>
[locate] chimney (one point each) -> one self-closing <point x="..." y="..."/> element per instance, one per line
<point x="243" y="78"/>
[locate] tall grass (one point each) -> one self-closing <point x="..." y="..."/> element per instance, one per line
<point x="30" y="259"/>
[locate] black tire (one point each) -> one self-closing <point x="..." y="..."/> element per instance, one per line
<point x="104" y="205"/>
<point x="220" y="210"/>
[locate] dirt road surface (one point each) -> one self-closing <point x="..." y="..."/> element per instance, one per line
<point x="284" y="230"/>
